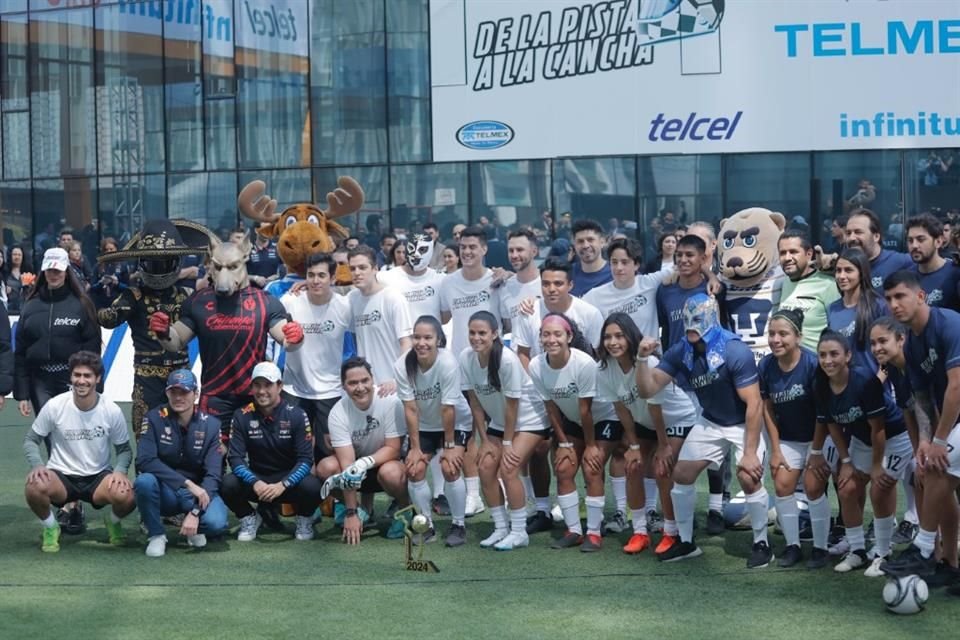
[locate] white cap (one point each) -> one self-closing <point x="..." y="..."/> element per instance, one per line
<point x="268" y="371"/>
<point x="55" y="258"/>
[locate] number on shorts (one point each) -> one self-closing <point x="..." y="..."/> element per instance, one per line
<point x="831" y="454"/>
<point x="893" y="462"/>
<point x="606" y="433"/>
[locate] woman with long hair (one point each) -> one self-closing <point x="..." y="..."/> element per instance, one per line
<point x="666" y="247"/>
<point x="858" y="306"/>
<point x="654" y="429"/>
<point x="111" y="277"/>
<point x="451" y="259"/>
<point x="17" y="276"/>
<point x="396" y="256"/>
<point x="497" y="386"/>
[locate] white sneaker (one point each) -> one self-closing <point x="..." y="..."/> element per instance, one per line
<point x="474" y="506"/>
<point x="556" y="513"/>
<point x="515" y="540"/>
<point x="840" y="548"/>
<point x="494" y="538"/>
<point x="873" y="571"/>
<point x="249" y="525"/>
<point x="304" y="528"/>
<point x="853" y="560"/>
<point x="198" y="541"/>
<point x="157" y="546"/>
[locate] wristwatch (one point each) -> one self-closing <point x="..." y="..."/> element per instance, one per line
<point x="196" y="512"/>
<point x="350" y="512"/>
<point x="448" y="444"/>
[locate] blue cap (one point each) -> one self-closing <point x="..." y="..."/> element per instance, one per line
<point x="182" y="379"/>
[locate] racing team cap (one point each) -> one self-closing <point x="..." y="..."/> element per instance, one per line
<point x="268" y="371"/>
<point x="182" y="379"/>
<point x="55" y="258"/>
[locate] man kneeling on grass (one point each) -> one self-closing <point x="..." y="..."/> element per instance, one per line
<point x="80" y="425"/>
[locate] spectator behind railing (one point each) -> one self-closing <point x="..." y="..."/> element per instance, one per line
<point x="17" y="277"/>
<point x="111" y="278"/>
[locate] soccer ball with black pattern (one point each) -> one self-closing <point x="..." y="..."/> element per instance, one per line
<point x="905" y="595"/>
<point x="673" y="19"/>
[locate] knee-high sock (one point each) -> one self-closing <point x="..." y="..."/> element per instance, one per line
<point x="684" y="498"/>
<point x="910" y="514"/>
<point x="570" y="505"/>
<point x="594" y="514"/>
<point x="650" y="494"/>
<point x="820" y="521"/>
<point x="883" y="530"/>
<point x="789" y="519"/>
<point x="456" y="493"/>
<point x="639" y="517"/>
<point x="436" y="476"/>
<point x="499" y="517"/>
<point x="518" y="521"/>
<point x="757" y="503"/>
<point x="528" y="488"/>
<point x="420" y="497"/>
<point x="619" y="485"/>
<point x="855" y="538"/>
<point x="473" y="487"/>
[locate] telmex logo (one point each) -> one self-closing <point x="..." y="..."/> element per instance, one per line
<point x="485" y="135"/>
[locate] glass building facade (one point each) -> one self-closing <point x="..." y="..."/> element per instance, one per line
<point x="115" y="111"/>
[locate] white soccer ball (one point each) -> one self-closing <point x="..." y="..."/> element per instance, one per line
<point x="420" y="523"/>
<point x="905" y="595"/>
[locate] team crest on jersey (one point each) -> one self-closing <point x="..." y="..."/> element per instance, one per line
<point x="429" y="393"/>
<point x="164" y="412"/>
<point x="210" y="306"/>
<point x="930" y="361"/>
<point x="849" y="416"/>
<point x="254" y="424"/>
<point x="485" y="389"/>
<point x="628" y="395"/>
<point x="569" y="391"/>
<point x="935" y="297"/>
<point x="876" y="281"/>
<point x="849" y="329"/>
<point x="249" y="304"/>
<point x="795" y="392"/>
<point x="369" y="318"/>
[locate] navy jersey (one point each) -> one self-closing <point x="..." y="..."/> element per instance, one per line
<point x="264" y="262"/>
<point x="941" y="286"/>
<point x="863" y="398"/>
<point x="934" y="352"/>
<point x="843" y="320"/>
<point x="717" y="390"/>
<point x="748" y="309"/>
<point x="884" y="264"/>
<point x="280" y="443"/>
<point x="583" y="282"/>
<point x="175" y="454"/>
<point x="670" y="300"/>
<point x="792" y="395"/>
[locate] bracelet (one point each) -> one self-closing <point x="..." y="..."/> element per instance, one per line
<point x="816" y="452"/>
<point x="940" y="441"/>
<point x="448" y="445"/>
<point x="506" y="443"/>
<point x="634" y="447"/>
<point x="846" y="460"/>
<point x="565" y="445"/>
<point x="643" y="358"/>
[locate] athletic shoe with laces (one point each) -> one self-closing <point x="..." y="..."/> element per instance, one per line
<point x="715" y="523"/>
<point x="515" y="540"/>
<point x="441" y="506"/>
<point x="680" y="550"/>
<point x="538" y="522"/>
<point x="304" y="528"/>
<point x="51" y="539"/>
<point x="854" y="559"/>
<point x="665" y="543"/>
<point x="249" y="525"/>
<point x="398" y="527"/>
<point x="637" y="543"/>
<point x="818" y="558"/>
<point x="760" y="556"/>
<point x="156" y="546"/>
<point x="654" y="521"/>
<point x="568" y="540"/>
<point x="456" y="536"/>
<point x="910" y="561"/>
<point x="591" y="542"/>
<point x="474" y="506"/>
<point x="428" y="536"/>
<point x="791" y="555"/>
<point x="839" y="548"/>
<point x="874" y="571"/>
<point x="905" y="533"/>
<point x="114" y="530"/>
<point x="198" y="541"/>
<point x="494" y="538"/>
<point x="943" y="576"/>
<point x="270" y="516"/>
<point x="616" y="524"/>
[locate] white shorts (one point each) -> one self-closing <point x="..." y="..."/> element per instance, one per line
<point x="712" y="442"/>
<point x="795" y="453"/>
<point x="896" y="455"/>
<point x="953" y="452"/>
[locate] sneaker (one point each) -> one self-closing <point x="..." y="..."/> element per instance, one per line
<point x="441" y="506"/>
<point x="874" y="571"/>
<point x="616" y="524"/>
<point x="806" y="532"/>
<point x="515" y="540"/>
<point x="910" y="562"/>
<point x="654" y="521"/>
<point x="680" y="550"/>
<point x="456" y="536"/>
<point x="270" y="516"/>
<point x="156" y="546"/>
<point x="569" y="539"/>
<point x="943" y="576"/>
<point x="494" y="538"/>
<point x="791" y="555"/>
<point x="198" y="541"/>
<point x="304" y="528"/>
<point x="839" y="548"/>
<point x="398" y="528"/>
<point x="591" y="542"/>
<point x="556" y="513"/>
<point x="905" y="533"/>
<point x="391" y="510"/>
<point x="249" y="525"/>
<point x="538" y="522"/>
<point x="474" y="506"/>
<point x="665" y="543"/>
<point x="428" y="536"/>
<point x="760" y="556"/>
<point x="853" y="560"/>
<point x="715" y="523"/>
<point x="51" y="539"/>
<point x="818" y="558"/>
<point x="637" y="543"/>
<point x="76" y="521"/>
<point x="114" y="530"/>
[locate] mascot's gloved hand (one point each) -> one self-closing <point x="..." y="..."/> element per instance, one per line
<point x="160" y="324"/>
<point x="293" y="332"/>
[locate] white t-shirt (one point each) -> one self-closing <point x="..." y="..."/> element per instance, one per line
<point x="366" y="431"/>
<point x="577" y="379"/>
<point x="514" y="383"/>
<point x="80" y="440"/>
<point x="639" y="301"/>
<point x="512" y="293"/>
<point x="422" y="291"/>
<point x="436" y="387"/>
<point x="613" y="385"/>
<point x="526" y="330"/>
<point x="313" y="370"/>
<point x="462" y="298"/>
<point x="379" y="322"/>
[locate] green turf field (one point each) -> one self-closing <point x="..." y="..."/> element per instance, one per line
<point x="276" y="587"/>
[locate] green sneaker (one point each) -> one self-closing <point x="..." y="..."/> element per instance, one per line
<point x="398" y="526"/>
<point x="114" y="530"/>
<point x="51" y="539"/>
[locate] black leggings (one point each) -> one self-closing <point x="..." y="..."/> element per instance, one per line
<point x="44" y="386"/>
<point x="238" y="495"/>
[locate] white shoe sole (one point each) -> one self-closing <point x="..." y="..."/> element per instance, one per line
<point x="488" y="542"/>
<point x="507" y="544"/>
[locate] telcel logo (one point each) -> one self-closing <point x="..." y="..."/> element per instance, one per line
<point x="485" y="135"/>
<point x="693" y="127"/>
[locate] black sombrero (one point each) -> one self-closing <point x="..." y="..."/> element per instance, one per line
<point x="163" y="238"/>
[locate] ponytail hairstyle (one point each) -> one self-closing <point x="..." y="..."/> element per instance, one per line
<point x="794" y="318"/>
<point x="821" y="384"/>
<point x="496" y="352"/>
<point x="867" y="304"/>
<point x="410" y="361"/>
<point x="630" y="332"/>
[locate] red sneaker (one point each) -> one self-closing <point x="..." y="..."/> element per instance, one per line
<point x="665" y="543"/>
<point x="637" y="543"/>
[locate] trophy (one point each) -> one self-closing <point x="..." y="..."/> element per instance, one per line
<point x="416" y="525"/>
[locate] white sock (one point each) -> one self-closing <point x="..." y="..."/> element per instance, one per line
<point x="473" y="486"/>
<point x="49" y="521"/>
<point x="883" y="532"/>
<point x="639" y="517"/>
<point x="715" y="502"/>
<point x="436" y="476"/>
<point x="855" y="538"/>
<point x="543" y="504"/>
<point x="925" y="541"/>
<point x="650" y="494"/>
<point x="528" y="488"/>
<point x="758" y="505"/>
<point x="499" y="516"/>
<point x="518" y="521"/>
<point x="684" y="498"/>
<point x="619" y="484"/>
<point x="820" y="521"/>
<point x="670" y="528"/>
<point x="594" y="513"/>
<point x="456" y="493"/>
<point x="789" y="519"/>
<point x="570" y="505"/>
<point x="420" y="497"/>
<point x="114" y="518"/>
<point x="910" y="515"/>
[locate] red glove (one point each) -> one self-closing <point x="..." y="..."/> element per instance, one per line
<point x="293" y="332"/>
<point x="160" y="324"/>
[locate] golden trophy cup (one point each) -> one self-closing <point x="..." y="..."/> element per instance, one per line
<point x="415" y="525"/>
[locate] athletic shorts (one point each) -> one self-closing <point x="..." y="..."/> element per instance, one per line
<point x="953" y="452"/>
<point x="676" y="431"/>
<point x="795" y="453"/>
<point x="81" y="487"/>
<point x="896" y="455"/>
<point x="496" y="432"/>
<point x="432" y="441"/>
<point x="318" y="411"/>
<point x="371" y="484"/>
<point x="712" y="442"/>
<point x="604" y="431"/>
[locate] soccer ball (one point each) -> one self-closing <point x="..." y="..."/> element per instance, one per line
<point x="905" y="595"/>
<point x="662" y="20"/>
<point x="420" y="523"/>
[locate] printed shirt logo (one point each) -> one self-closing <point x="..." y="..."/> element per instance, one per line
<point x="699" y="382"/>
<point x="430" y="393"/>
<point x="74" y="435"/>
<point x="419" y="295"/>
<point x="935" y="297"/>
<point x="66" y="322"/>
<point x="569" y="391"/>
<point x="472" y="300"/>
<point x="220" y="322"/>
<point x="319" y="327"/>
<point x="849" y="416"/>
<point x="369" y="318"/>
<point x="484" y="389"/>
<point x="793" y="393"/>
<point x="372" y="425"/>
<point x="930" y="361"/>
<point x="628" y="394"/>
<point x="849" y="329"/>
<point x="631" y="306"/>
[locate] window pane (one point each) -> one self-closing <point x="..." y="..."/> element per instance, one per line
<point x="182" y="97"/>
<point x="424" y="193"/>
<point x="12" y="6"/>
<point x="602" y="189"/>
<point x="932" y="179"/>
<point x="373" y="218"/>
<point x="775" y="181"/>
<point x="208" y="198"/>
<point x="348" y="80"/>
<point x="74" y="198"/>
<point x="126" y="201"/>
<point x="14" y="101"/>
<point x="408" y="80"/>
<point x="220" y="86"/>
<point x="509" y="193"/>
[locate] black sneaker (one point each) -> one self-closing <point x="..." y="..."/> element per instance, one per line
<point x="680" y="550"/>
<point x="761" y="556"/>
<point x="943" y="576"/>
<point x="441" y="506"/>
<point x="456" y="536"/>
<point x="654" y="522"/>
<point x="791" y="555"/>
<point x="819" y="558"/>
<point x="715" y="523"/>
<point x="538" y="522"/>
<point x="910" y="562"/>
<point x="76" y="520"/>
<point x="271" y="517"/>
<point x="569" y="539"/>
<point x="905" y="533"/>
<point x="426" y="537"/>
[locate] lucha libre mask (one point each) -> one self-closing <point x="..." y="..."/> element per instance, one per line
<point x="419" y="252"/>
<point x="700" y="315"/>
